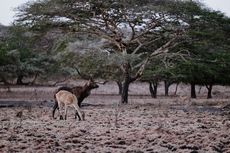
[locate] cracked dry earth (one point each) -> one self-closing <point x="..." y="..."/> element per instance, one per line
<point x="132" y="128"/>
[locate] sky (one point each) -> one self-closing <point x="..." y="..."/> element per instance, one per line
<point x="7" y="6"/>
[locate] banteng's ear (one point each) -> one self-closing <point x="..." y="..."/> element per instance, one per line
<point x="91" y="80"/>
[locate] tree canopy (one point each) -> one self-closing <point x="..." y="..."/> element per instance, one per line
<point x="151" y="40"/>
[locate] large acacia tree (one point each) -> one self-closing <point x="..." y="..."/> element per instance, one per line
<point x="141" y="28"/>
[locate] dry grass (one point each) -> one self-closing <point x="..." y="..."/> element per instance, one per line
<point x="144" y="125"/>
<point x="136" y="127"/>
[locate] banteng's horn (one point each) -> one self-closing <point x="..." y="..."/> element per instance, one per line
<point x="83" y="76"/>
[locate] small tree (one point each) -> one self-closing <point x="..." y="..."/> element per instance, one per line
<point x="207" y="45"/>
<point x="19" y="58"/>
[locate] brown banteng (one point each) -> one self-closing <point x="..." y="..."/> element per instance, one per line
<point x="67" y="99"/>
<point x="81" y="92"/>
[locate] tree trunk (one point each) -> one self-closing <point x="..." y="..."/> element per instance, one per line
<point x="125" y="83"/>
<point x="193" y="90"/>
<point x="126" y="68"/>
<point x="119" y="87"/>
<point x="34" y="80"/>
<point x="209" y="87"/>
<point x="125" y="91"/>
<point x="200" y="90"/>
<point x="167" y="84"/>
<point x="175" y="92"/>
<point x="153" y="89"/>
<point x="4" y="81"/>
<point x="19" y="80"/>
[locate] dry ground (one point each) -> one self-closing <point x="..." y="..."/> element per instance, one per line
<point x="145" y="125"/>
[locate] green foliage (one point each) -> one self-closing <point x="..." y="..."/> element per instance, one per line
<point x="103" y="47"/>
<point x="18" y="57"/>
<point x="207" y="44"/>
<point x="209" y="50"/>
<point x="94" y="63"/>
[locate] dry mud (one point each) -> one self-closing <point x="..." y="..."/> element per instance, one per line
<point x="159" y="126"/>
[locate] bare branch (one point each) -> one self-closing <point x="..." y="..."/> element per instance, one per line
<point x="162" y="50"/>
<point x="144" y="44"/>
<point x="139" y="46"/>
<point x="111" y="38"/>
<point x="131" y="26"/>
<point x="83" y="76"/>
<point x="165" y="47"/>
<point x="148" y="29"/>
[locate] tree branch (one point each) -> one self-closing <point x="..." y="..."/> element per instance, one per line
<point x="161" y="50"/>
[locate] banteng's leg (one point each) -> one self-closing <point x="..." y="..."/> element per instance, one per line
<point x="78" y="112"/>
<point x="54" y="108"/>
<point x="66" y="111"/>
<point x="77" y="115"/>
<point x="79" y="103"/>
<point x="59" y="111"/>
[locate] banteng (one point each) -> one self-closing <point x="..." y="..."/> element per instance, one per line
<point x="81" y="92"/>
<point x="67" y="99"/>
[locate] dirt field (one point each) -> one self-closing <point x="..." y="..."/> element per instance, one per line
<point x="144" y="125"/>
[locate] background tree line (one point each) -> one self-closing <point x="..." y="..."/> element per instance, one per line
<point x="169" y="40"/>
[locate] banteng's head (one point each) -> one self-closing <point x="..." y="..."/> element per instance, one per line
<point x="92" y="84"/>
